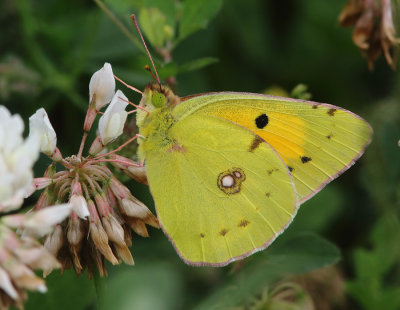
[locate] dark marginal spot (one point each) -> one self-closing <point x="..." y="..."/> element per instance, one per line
<point x="243" y="223"/>
<point x="223" y="232"/>
<point x="315" y="106"/>
<point x="305" y="159"/>
<point x="268" y="194"/>
<point x="331" y="112"/>
<point x="262" y="121"/>
<point x="202" y="235"/>
<point x="290" y="169"/>
<point x="256" y="142"/>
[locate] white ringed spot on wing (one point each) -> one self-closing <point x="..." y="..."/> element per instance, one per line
<point x="230" y="181"/>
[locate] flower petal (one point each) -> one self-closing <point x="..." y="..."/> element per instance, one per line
<point x="79" y="206"/>
<point x="111" y="124"/>
<point x="17" y="157"/>
<point x="102" y="86"/>
<point x="39" y="223"/>
<point x="40" y="125"/>
<point x="6" y="285"/>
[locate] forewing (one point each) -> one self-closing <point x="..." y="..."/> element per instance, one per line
<point x="217" y="200"/>
<point x="317" y="142"/>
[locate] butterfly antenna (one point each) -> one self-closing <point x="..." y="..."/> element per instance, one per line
<point x="147" y="50"/>
<point x="148" y="69"/>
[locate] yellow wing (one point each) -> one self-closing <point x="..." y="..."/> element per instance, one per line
<point x="317" y="142"/>
<point x="215" y="200"/>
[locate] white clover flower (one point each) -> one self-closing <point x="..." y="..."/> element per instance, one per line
<point x="41" y="222"/>
<point x="39" y="124"/>
<point x="111" y="124"/>
<point x="17" y="157"/>
<point x="20" y="255"/>
<point x="102" y="86"/>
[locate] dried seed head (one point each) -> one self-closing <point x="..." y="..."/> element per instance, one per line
<point x="374" y="28"/>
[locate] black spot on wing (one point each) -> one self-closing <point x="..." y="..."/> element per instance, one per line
<point x="262" y="121"/>
<point x="305" y="159"/>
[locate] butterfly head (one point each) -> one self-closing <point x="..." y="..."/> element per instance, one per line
<point x="156" y="98"/>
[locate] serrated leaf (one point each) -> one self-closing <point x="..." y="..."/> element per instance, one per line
<point x="196" y="15"/>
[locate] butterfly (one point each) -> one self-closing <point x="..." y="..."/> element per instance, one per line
<point x="228" y="171"/>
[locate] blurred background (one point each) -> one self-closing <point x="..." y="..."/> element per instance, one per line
<point x="342" y="250"/>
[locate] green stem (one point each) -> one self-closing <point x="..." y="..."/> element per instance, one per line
<point x="100" y="286"/>
<point x="120" y="25"/>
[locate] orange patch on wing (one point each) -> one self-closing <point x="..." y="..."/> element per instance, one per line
<point x="285" y="133"/>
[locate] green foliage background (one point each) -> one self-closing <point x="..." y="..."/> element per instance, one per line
<point x="49" y="49"/>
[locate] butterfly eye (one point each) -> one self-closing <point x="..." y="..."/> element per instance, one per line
<point x="158" y="99"/>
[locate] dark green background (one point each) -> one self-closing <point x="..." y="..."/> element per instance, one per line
<point x="49" y="49"/>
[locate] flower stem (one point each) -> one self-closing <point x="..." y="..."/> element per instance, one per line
<point x="118" y="148"/>
<point x="82" y="144"/>
<point x="100" y="286"/>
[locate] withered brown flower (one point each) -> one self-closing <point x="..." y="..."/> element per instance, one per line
<point x="374" y="28"/>
<point x="104" y="212"/>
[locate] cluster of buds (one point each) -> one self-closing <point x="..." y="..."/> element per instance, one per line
<point x="21" y="254"/>
<point x="103" y="209"/>
<point x="374" y="28"/>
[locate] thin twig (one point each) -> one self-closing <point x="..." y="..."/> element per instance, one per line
<point x="121" y="26"/>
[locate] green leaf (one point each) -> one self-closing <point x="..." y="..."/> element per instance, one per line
<point x="301" y="254"/>
<point x="196" y="15"/>
<point x="63" y="292"/>
<point x="197" y="64"/>
<point x="373" y="265"/>
<point x="167" y="7"/>
<point x="152" y="22"/>
<point x="155" y="286"/>
<point x="172" y="69"/>
<point x="300" y="91"/>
